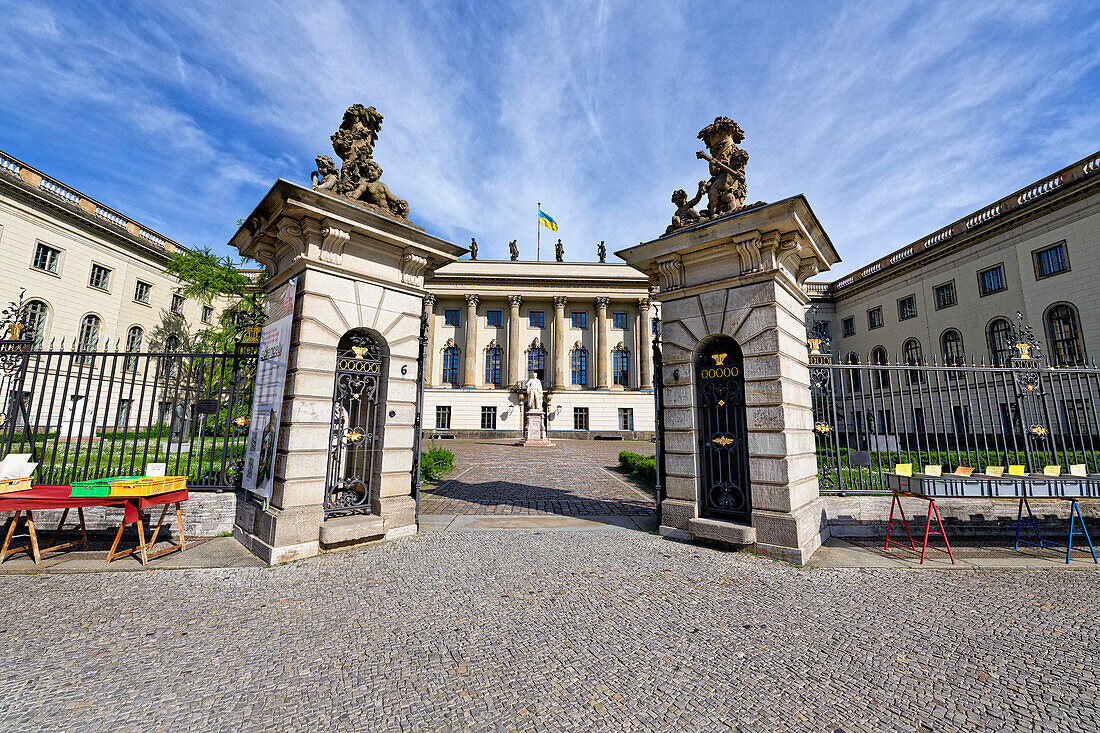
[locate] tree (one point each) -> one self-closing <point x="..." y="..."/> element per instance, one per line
<point x="206" y="277"/>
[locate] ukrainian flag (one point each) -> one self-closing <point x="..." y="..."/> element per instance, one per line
<point x="547" y="221"/>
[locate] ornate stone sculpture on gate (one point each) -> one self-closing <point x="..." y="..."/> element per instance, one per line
<point x="360" y="177"/>
<point x="726" y="189"/>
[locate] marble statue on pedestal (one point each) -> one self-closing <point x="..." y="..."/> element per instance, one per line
<point x="534" y="428"/>
<point x="535" y="398"/>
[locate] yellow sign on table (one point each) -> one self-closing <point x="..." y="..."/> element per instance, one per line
<point x="997" y="471"/>
<point x="964" y="471"/>
<point x="903" y="469"/>
<point x="1078" y="469"/>
<point x="1052" y="470"/>
<point x="933" y="470"/>
<point x="1016" y="471"/>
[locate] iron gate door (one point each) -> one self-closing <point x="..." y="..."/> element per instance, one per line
<point x="355" y="434"/>
<point x="723" y="433"/>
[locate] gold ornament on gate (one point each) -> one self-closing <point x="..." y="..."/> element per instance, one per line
<point x="815" y="345"/>
<point x="719" y="359"/>
<point x="352" y="435"/>
<point x="241" y="421"/>
<point x="723" y="440"/>
<point x="359" y="351"/>
<point x="822" y="428"/>
<point x="1024" y="349"/>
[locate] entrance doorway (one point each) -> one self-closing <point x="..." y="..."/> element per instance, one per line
<point x="723" y="431"/>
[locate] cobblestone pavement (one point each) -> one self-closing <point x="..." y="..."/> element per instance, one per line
<point x="573" y="478"/>
<point x="550" y="631"/>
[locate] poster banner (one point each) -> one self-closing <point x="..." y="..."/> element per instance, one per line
<point x="267" y="399"/>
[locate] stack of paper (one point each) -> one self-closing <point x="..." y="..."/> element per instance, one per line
<point x="17" y="465"/>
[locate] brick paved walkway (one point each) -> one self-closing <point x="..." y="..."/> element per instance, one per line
<point x="573" y="478"/>
<point x="571" y="630"/>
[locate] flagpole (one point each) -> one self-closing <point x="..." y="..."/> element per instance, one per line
<point x="538" y="233"/>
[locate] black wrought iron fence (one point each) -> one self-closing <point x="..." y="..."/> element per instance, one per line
<point x="93" y="413"/>
<point x="870" y="416"/>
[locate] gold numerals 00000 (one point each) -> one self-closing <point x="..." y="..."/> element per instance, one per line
<point x="720" y="372"/>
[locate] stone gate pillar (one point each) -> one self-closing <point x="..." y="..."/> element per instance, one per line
<point x="357" y="270"/>
<point x="741" y="276"/>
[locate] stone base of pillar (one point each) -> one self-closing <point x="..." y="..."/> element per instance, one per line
<point x="398" y="515"/>
<point x="534" y="432"/>
<point x="791" y="536"/>
<point x="278" y="535"/>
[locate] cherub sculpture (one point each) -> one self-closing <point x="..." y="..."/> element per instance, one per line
<point x="513" y="250"/>
<point x="686" y="215"/>
<point x="326" y="175"/>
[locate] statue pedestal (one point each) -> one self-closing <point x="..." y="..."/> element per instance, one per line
<point x="534" y="431"/>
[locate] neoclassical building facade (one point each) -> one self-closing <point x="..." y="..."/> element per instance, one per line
<point x="585" y="329"/>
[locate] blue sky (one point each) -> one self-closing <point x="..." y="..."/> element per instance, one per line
<point x="893" y="118"/>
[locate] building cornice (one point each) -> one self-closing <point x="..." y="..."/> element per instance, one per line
<point x="43" y="192"/>
<point x="1069" y="185"/>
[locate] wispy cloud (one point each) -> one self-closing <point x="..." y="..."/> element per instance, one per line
<point x="893" y="118"/>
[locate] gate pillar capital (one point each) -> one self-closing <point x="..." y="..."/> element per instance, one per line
<point x="741" y="278"/>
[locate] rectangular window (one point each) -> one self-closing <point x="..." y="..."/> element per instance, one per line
<point x="1075" y="416"/>
<point x="177" y="304"/>
<point x="626" y="418"/>
<point x="874" y="318"/>
<point x="580" y="418"/>
<point x="488" y="418"/>
<point x="885" y="421"/>
<point x="451" y="317"/>
<point x="960" y="415"/>
<point x="535" y="319"/>
<point x="494" y="319"/>
<point x="124" y="407"/>
<point x="142" y="291"/>
<point x="492" y="366"/>
<point x="618" y="320"/>
<point x="1051" y="260"/>
<point x="207" y="314"/>
<point x="848" y="326"/>
<point x="46" y="258"/>
<point x="620" y="367"/>
<point x="579" y="367"/>
<point x="907" y="308"/>
<point x="442" y="417"/>
<point x="100" y="279"/>
<point x="580" y="320"/>
<point x="991" y="280"/>
<point x="918" y="419"/>
<point x="945" y="295"/>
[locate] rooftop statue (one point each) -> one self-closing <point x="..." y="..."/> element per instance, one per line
<point x="601" y="251"/>
<point x="559" y="251"/>
<point x="726" y="189"/>
<point x="473" y="248"/>
<point x="360" y="177"/>
<point x="513" y="250"/>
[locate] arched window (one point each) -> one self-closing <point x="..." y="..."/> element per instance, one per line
<point x="1000" y="342"/>
<point x="579" y="363"/>
<point x="536" y="363"/>
<point x="882" y="376"/>
<point x="914" y="358"/>
<point x="133" y="345"/>
<point x="1066" y="348"/>
<point x="951" y="342"/>
<point x="450" y="365"/>
<point x="492" y="365"/>
<point x="853" y="374"/>
<point x="36" y="314"/>
<point x="88" y="339"/>
<point x="620" y="366"/>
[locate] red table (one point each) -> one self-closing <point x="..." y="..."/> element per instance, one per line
<point x="38" y="498"/>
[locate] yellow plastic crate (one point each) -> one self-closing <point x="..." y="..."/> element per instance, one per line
<point x="7" y="486"/>
<point x="149" y="486"/>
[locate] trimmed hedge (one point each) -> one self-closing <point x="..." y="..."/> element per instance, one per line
<point x="644" y="467"/>
<point x="435" y="462"/>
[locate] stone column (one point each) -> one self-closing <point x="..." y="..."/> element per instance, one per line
<point x="515" y="352"/>
<point x="469" y="373"/>
<point x="645" y="348"/>
<point x="561" y="360"/>
<point x="603" y="348"/>
<point x="429" y="310"/>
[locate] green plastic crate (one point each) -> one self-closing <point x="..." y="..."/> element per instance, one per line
<point x="98" y="487"/>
